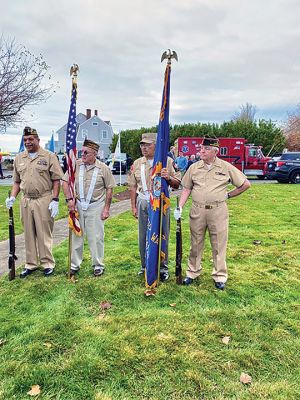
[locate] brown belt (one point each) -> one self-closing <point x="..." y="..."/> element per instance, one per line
<point x="36" y="196"/>
<point x="215" y="204"/>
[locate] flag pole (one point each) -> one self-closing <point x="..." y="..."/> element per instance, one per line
<point x="160" y="237"/>
<point x="69" y="253"/>
<point x="120" y="159"/>
<point x="73" y="73"/>
<point x="156" y="243"/>
<point x="166" y="55"/>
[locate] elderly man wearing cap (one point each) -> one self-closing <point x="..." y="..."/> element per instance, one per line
<point x="139" y="181"/>
<point x="207" y="182"/>
<point x="94" y="185"/>
<point x="37" y="175"/>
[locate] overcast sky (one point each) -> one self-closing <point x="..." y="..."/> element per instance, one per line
<point x="230" y="52"/>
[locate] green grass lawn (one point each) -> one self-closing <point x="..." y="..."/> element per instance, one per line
<point x="53" y="333"/>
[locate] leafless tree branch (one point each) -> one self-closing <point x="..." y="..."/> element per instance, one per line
<point x="22" y="82"/>
<point x="246" y="113"/>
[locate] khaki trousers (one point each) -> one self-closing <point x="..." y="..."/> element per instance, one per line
<point x="215" y="220"/>
<point x="38" y="227"/>
<point x="93" y="226"/>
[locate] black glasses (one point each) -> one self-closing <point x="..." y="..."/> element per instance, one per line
<point x="86" y="153"/>
<point x="145" y="144"/>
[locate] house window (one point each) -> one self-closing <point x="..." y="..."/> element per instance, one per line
<point x="95" y="123"/>
<point x="104" y="134"/>
<point x="223" y="151"/>
<point x="83" y="134"/>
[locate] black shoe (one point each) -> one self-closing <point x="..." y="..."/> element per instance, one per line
<point x="48" y="271"/>
<point x="164" y="276"/>
<point x="26" y="272"/>
<point x="187" y="281"/>
<point x="220" y="285"/>
<point x="73" y="272"/>
<point x="141" y="272"/>
<point x="98" y="271"/>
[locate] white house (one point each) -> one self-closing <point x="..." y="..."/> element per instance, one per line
<point x="91" y="127"/>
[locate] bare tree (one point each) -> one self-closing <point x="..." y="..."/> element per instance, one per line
<point x="291" y="130"/>
<point x="22" y="76"/>
<point x="246" y="113"/>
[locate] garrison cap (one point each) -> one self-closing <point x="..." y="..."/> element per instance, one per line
<point x="149" y="137"/>
<point x="92" y="145"/>
<point x="29" y="131"/>
<point x="214" y="142"/>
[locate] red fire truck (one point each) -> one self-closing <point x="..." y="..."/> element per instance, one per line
<point x="246" y="157"/>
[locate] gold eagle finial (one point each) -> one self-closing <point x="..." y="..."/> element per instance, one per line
<point x="73" y="70"/>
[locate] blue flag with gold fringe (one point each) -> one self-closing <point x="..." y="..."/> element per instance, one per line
<point x="156" y="244"/>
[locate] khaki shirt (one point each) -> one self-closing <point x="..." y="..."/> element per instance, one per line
<point x="105" y="180"/>
<point x="211" y="185"/>
<point x="35" y="175"/>
<point x="134" y="178"/>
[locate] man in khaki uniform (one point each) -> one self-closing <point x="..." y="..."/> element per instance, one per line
<point x="139" y="181"/>
<point x="37" y="175"/>
<point x="94" y="185"/>
<point x="207" y="181"/>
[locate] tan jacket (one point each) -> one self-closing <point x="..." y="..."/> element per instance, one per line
<point x="36" y="175"/>
<point x="105" y="180"/>
<point x="210" y="185"/>
<point x="134" y="178"/>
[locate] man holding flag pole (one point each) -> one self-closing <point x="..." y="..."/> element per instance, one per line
<point x="71" y="152"/>
<point x="150" y="178"/>
<point x="88" y="186"/>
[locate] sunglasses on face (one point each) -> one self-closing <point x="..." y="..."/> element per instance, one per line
<point x="145" y="144"/>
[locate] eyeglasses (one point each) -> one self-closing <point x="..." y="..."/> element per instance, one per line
<point x="145" y="144"/>
<point x="206" y="148"/>
<point x="86" y="153"/>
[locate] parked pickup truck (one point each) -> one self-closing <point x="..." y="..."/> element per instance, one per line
<point x="286" y="169"/>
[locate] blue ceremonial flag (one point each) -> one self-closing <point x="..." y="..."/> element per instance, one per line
<point x="21" y="148"/>
<point x="156" y="244"/>
<point x="51" y="144"/>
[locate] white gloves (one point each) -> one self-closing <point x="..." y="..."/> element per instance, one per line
<point x="53" y="208"/>
<point x="10" y="201"/>
<point x="177" y="213"/>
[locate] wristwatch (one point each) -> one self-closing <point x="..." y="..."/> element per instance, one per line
<point x="228" y="195"/>
<point x="69" y="199"/>
<point x="55" y="199"/>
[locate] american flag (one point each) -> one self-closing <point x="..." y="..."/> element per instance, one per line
<point x="71" y="157"/>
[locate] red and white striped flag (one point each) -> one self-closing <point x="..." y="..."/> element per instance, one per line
<point x="71" y="157"/>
